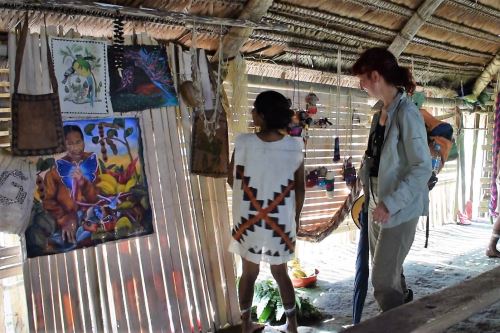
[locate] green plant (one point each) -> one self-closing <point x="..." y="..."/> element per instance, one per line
<point x="269" y="308"/>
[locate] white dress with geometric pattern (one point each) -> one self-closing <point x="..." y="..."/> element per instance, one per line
<point x="264" y="226"/>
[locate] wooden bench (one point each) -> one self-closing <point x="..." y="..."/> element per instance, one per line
<point x="440" y="310"/>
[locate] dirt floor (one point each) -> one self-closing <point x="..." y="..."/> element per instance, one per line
<point x="455" y="253"/>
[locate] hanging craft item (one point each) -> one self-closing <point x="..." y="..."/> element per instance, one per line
<point x="189" y="89"/>
<point x="301" y="121"/>
<point x="36" y="119"/>
<point x="209" y="143"/>
<point x="336" y="149"/>
<point x="348" y="169"/>
<point x="95" y="192"/>
<point x="117" y="48"/>
<point x="17" y="183"/>
<point x="330" y="183"/>
<point x="349" y="172"/>
<point x="295" y="127"/>
<point x="145" y="81"/>
<point x="322" y="122"/>
<point x="81" y="68"/>
<point x="311" y="100"/>
<point x="322" y="171"/>
<point x="312" y="178"/>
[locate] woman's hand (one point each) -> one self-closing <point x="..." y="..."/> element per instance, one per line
<point x="381" y="213"/>
<point x="78" y="176"/>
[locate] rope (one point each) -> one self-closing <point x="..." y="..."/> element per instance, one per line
<point x="339" y="69"/>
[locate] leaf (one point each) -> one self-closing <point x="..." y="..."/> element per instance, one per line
<point x="265" y="314"/>
<point x="50" y="162"/>
<point x="89" y="128"/>
<point x="129" y="131"/>
<point x="95" y="139"/>
<point x="112" y="133"/>
<point x="102" y="165"/>
<point x="263" y="304"/>
<point x="39" y="164"/>
<point x="280" y="309"/>
<point x="120" y="122"/>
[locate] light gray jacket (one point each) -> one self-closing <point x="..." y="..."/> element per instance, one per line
<point x="405" y="163"/>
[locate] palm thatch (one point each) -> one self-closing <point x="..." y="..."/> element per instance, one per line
<point x="453" y="44"/>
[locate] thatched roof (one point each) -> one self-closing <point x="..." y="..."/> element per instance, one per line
<point x="455" y="44"/>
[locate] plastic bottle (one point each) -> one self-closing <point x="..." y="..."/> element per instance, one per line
<point x="436" y="158"/>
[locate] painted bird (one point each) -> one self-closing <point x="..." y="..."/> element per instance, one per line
<point x="81" y="66"/>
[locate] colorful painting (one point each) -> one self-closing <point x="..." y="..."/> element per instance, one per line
<point x="81" y="68"/>
<point x="143" y="81"/>
<point x="94" y="192"/>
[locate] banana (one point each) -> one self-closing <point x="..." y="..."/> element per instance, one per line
<point x="126" y="205"/>
<point x="123" y="222"/>
<point x="108" y="179"/>
<point x="131" y="183"/>
<point x="106" y="188"/>
<point x="120" y="188"/>
<point x="299" y="274"/>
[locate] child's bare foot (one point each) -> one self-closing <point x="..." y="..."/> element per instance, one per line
<point x="492" y="253"/>
<point x="287" y="328"/>
<point x="248" y="326"/>
<point x="291" y="322"/>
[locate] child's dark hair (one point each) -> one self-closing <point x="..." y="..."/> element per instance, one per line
<point x="385" y="63"/>
<point x="72" y="128"/>
<point x="274" y="109"/>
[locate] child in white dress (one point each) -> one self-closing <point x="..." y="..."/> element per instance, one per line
<point x="268" y="193"/>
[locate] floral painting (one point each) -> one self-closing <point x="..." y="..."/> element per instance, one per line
<point x="94" y="192"/>
<point x="143" y="79"/>
<point x="81" y="68"/>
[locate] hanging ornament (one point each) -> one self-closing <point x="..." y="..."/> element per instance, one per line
<point x="322" y="122"/>
<point x="349" y="172"/>
<point x="336" y="152"/>
<point x="330" y="183"/>
<point x="311" y="101"/>
<point x="312" y="178"/>
<point x="118" y="47"/>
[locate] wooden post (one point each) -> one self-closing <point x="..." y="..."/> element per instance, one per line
<point x="477" y="117"/>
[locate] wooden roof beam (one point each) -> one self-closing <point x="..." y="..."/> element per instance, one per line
<point x="232" y="42"/>
<point x="426" y="9"/>
<point x="486" y="76"/>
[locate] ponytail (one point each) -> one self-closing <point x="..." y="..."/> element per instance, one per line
<point x="385" y="63"/>
<point x="406" y="80"/>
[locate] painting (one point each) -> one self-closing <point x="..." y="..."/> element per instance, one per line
<point x="81" y="68"/>
<point x="94" y="192"/>
<point x="143" y="81"/>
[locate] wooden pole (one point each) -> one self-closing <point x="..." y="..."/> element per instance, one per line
<point x="418" y="19"/>
<point x="477" y="117"/>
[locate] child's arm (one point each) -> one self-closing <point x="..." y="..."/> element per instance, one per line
<point x="230" y="170"/>
<point x="300" y="193"/>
